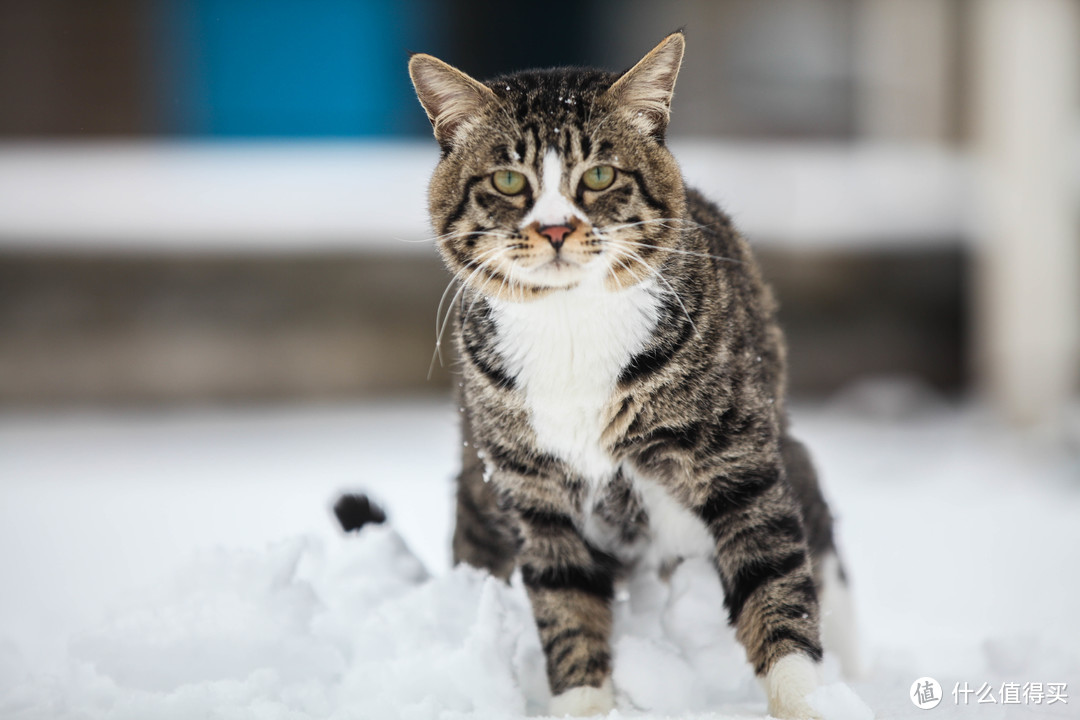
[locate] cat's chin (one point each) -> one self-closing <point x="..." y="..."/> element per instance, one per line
<point x="557" y="274"/>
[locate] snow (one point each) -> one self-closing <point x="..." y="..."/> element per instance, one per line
<point x="181" y="564"/>
<point x="840" y="702"/>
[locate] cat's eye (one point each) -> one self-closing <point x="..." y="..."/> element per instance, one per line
<point x="599" y="177"/>
<point x="508" y="182"/>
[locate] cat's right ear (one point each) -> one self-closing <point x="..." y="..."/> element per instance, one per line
<point x="448" y="95"/>
<point x="644" y="91"/>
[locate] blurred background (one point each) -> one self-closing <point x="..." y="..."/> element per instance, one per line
<point x="219" y="201"/>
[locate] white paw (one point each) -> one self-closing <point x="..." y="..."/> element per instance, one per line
<point x="584" y="701"/>
<point x="787" y="684"/>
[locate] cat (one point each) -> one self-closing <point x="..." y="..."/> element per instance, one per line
<point x="623" y="374"/>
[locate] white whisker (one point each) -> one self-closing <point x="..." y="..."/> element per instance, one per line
<point x="623" y="226"/>
<point x="457" y="276"/>
<point x="484" y="258"/>
<point x="660" y="276"/>
<point x="679" y="251"/>
<point x="603" y="234"/>
<point x="456" y="236"/>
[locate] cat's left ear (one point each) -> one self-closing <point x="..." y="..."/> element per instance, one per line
<point x="449" y="96"/>
<point x="644" y="91"/>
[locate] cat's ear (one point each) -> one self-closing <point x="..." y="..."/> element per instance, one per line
<point x="644" y="91"/>
<point x="448" y="95"/>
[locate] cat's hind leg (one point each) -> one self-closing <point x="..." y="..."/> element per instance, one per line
<point x="838" y="627"/>
<point x="484" y="533"/>
<point x="482" y="536"/>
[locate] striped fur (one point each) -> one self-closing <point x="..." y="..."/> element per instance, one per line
<point x="624" y="390"/>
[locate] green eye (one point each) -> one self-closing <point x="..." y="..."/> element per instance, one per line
<point x="508" y="182"/>
<point x="599" y="177"/>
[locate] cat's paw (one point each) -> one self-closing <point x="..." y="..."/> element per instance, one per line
<point x="787" y="685"/>
<point x="584" y="701"/>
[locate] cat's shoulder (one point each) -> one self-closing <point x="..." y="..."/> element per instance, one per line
<point x="716" y="225"/>
<point x="706" y="212"/>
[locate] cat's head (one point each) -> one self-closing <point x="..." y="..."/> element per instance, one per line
<point x="555" y="178"/>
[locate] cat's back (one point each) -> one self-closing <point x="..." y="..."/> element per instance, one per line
<point x="734" y="264"/>
<point x="722" y="238"/>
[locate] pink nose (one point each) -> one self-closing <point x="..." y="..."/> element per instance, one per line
<point x="556" y="234"/>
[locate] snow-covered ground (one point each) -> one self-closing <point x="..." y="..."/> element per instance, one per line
<point x="185" y="564"/>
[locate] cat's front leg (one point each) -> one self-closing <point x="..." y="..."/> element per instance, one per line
<point x="763" y="560"/>
<point x="571" y="587"/>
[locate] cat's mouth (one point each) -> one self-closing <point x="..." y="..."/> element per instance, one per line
<point x="559" y="263"/>
<point x="559" y="271"/>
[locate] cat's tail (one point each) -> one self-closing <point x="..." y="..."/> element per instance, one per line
<point x="355" y="510"/>
<point x="392" y="556"/>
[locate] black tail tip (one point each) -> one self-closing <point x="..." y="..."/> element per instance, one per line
<point x="355" y="510"/>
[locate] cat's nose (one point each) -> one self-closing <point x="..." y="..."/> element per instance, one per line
<point x="555" y="234"/>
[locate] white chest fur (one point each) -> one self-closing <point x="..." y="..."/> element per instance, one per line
<point x="566" y="352"/>
<point x="674" y="531"/>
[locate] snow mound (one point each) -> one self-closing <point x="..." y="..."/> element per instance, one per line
<point x="957" y="534"/>
<point x="357" y="629"/>
<point x="839" y="702"/>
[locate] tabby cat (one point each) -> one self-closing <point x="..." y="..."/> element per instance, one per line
<point x="623" y="373"/>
